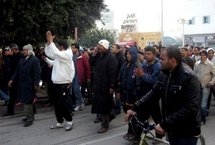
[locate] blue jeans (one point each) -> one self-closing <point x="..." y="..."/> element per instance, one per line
<point x="77" y="91"/>
<point x="4" y="96"/>
<point x="176" y="140"/>
<point x="204" y="102"/>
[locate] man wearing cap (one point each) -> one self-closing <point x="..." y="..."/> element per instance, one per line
<point x="6" y="68"/>
<point x="13" y="60"/>
<point x="28" y="76"/>
<point x="104" y="77"/>
<point x="211" y="55"/>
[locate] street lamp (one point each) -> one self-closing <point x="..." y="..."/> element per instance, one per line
<point x="182" y="21"/>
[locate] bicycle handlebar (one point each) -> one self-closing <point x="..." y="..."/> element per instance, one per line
<point x="146" y="126"/>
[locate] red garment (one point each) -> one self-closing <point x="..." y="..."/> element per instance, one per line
<point x="83" y="69"/>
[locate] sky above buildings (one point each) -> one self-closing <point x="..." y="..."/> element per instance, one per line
<point x="148" y="13"/>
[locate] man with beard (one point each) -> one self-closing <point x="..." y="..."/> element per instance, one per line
<point x="104" y="79"/>
<point x="180" y="93"/>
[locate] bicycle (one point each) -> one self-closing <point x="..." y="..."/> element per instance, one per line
<point x="148" y="138"/>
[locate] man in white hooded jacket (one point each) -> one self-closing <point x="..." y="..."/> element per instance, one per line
<point x="62" y="76"/>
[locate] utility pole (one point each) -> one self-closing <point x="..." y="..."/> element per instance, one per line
<point x="162" y="20"/>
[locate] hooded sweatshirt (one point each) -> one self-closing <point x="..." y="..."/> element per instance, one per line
<point x="127" y="78"/>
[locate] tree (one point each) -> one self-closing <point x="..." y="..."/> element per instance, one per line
<point x="26" y="21"/>
<point x="92" y="37"/>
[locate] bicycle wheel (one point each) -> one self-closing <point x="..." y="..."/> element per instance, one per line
<point x="201" y="140"/>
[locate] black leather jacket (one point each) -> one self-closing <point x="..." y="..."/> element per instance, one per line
<point x="180" y="94"/>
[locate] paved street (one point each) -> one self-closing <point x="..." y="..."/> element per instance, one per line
<point x="12" y="131"/>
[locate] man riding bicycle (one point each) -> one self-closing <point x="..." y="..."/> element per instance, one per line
<point x="180" y="94"/>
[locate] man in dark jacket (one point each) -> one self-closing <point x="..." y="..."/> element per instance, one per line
<point x="104" y="78"/>
<point x="11" y="66"/>
<point x="180" y="93"/>
<point x="120" y="57"/>
<point x="28" y="75"/>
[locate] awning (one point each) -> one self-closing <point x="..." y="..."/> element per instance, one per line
<point x="167" y="41"/>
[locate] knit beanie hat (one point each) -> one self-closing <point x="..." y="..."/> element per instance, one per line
<point x="210" y="49"/>
<point x="7" y="48"/>
<point x="104" y="43"/>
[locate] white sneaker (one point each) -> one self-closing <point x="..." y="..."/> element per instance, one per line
<point x="82" y="107"/>
<point x="69" y="126"/>
<point x="57" y="125"/>
<point x="77" y="108"/>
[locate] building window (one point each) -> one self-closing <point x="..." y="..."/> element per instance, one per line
<point x="191" y="21"/>
<point x="206" y="19"/>
<point x="150" y="43"/>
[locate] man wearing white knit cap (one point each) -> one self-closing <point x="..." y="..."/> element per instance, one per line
<point x="104" y="78"/>
<point x="28" y="76"/>
<point x="211" y="55"/>
<point x="104" y="43"/>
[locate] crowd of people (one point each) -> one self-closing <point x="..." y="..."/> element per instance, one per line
<point x="172" y="85"/>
